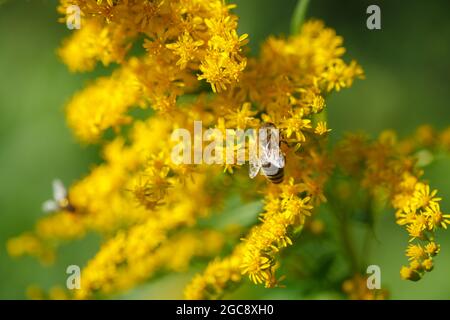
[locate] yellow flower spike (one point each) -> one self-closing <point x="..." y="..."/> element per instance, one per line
<point x="34" y="292"/>
<point x="415" y="230"/>
<point x="91" y="43"/>
<point x="428" y="264"/>
<point x="415" y="252"/>
<point x="422" y="197"/>
<point x="188" y="43"/>
<point x="416" y="265"/>
<point x="432" y="248"/>
<point x="436" y="219"/>
<point x="265" y="240"/>
<point x="30" y="244"/>
<point x="241" y="118"/>
<point x="186" y="48"/>
<point x="103" y="105"/>
<point x="405" y="216"/>
<point x="334" y="76"/>
<point x="408" y="274"/>
<point x="130" y="258"/>
<point x="296" y="124"/>
<point x="356" y="289"/>
<point x="426" y="135"/>
<point x="58" y="293"/>
<point x="444" y="139"/>
<point x="216" y="278"/>
<point x="321" y="128"/>
<point x="317" y="227"/>
<point x="417" y="206"/>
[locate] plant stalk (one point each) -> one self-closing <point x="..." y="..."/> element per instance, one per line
<point x="299" y="15"/>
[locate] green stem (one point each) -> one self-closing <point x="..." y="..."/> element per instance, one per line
<point x="365" y="254"/>
<point x="322" y="116"/>
<point x="347" y="242"/>
<point x="299" y="15"/>
<point x="342" y="219"/>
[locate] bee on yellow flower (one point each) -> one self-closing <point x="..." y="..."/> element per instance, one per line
<point x="154" y="215"/>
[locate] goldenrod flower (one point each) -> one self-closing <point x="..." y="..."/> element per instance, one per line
<point x="409" y="274"/>
<point x="321" y="128"/>
<point x="415" y="252"/>
<point x="356" y="289"/>
<point x="186" y="48"/>
<point x="195" y="68"/>
<point x="432" y="248"/>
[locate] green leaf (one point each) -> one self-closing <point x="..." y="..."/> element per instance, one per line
<point x="299" y="15"/>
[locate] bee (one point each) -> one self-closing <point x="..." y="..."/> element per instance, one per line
<point x="60" y="201"/>
<point x="270" y="160"/>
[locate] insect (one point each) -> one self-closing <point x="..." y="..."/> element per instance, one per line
<point x="270" y="160"/>
<point x="60" y="201"/>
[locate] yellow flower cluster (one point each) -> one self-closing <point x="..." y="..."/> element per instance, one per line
<point x="285" y="85"/>
<point x="184" y="40"/>
<point x="146" y="207"/>
<point x="104" y="104"/>
<point x="419" y="211"/>
<point x="29" y="244"/>
<point x="290" y="79"/>
<point x="286" y="208"/>
<point x="219" y="276"/>
<point x="55" y="293"/>
<point x="93" y="42"/>
<point x="356" y="289"/>
<point x="132" y="257"/>
<point x="107" y="199"/>
<point x="391" y="164"/>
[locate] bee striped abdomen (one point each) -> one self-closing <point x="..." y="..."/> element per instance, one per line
<point x="270" y="161"/>
<point x="275" y="178"/>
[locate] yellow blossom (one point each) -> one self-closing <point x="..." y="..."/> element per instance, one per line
<point x="321" y="128"/>
<point x="151" y="211"/>
<point x="185" y="48"/>
<point x="356" y="289"/>
<point x="432" y="248"/>
<point x="428" y="264"/>
<point x="415" y="252"/>
<point x="409" y="274"/>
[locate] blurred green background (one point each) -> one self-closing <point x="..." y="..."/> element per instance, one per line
<point x="407" y="66"/>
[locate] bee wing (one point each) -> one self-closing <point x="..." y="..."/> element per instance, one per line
<point x="50" y="206"/>
<point x="277" y="159"/>
<point x="255" y="166"/>
<point x="266" y="153"/>
<point x="59" y="191"/>
<point x="274" y="156"/>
